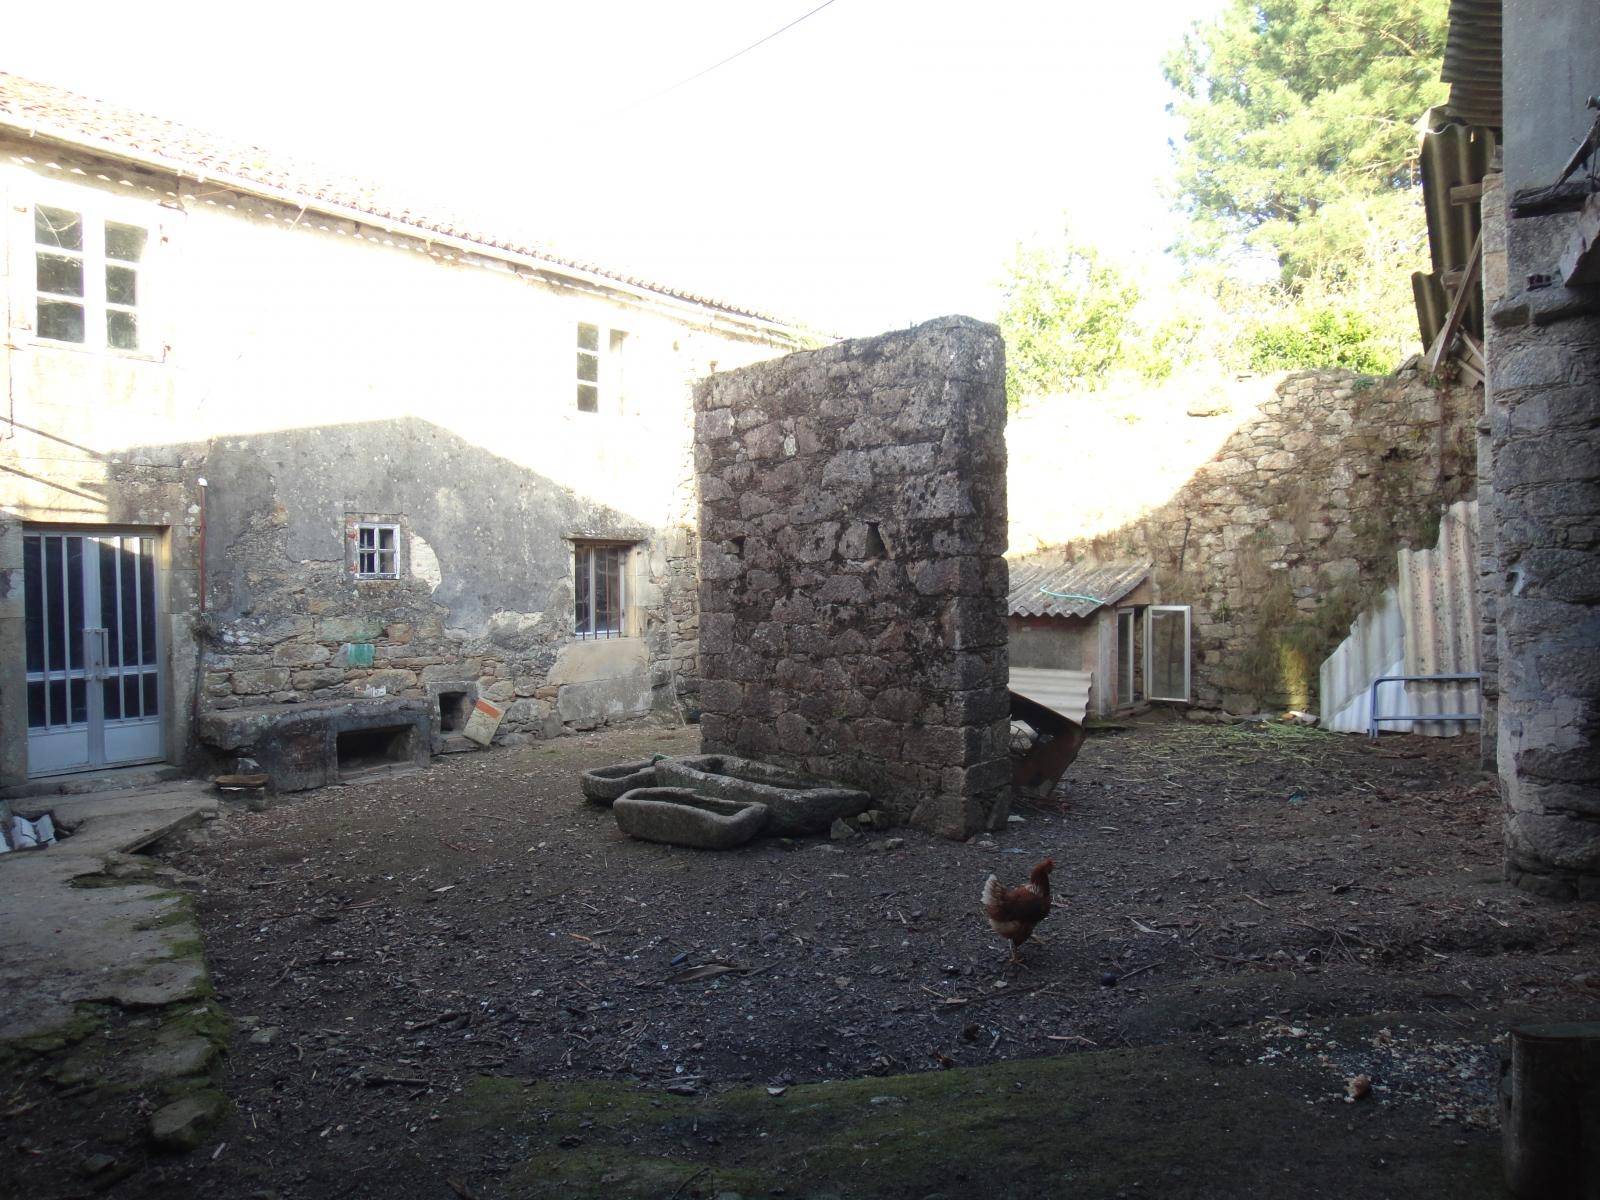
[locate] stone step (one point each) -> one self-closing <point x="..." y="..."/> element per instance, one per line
<point x="83" y="783"/>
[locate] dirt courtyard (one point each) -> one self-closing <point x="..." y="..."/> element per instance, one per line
<point x="466" y="982"/>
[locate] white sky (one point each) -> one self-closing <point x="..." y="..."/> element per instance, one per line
<point x="871" y="167"/>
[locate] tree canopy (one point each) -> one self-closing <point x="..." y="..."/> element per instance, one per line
<point x="1065" y="313"/>
<point x="1298" y="111"/>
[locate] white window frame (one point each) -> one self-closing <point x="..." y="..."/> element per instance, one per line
<point x="607" y="357"/>
<point x="580" y="546"/>
<point x="94" y="209"/>
<point x="377" y="549"/>
<point x="1149" y="651"/>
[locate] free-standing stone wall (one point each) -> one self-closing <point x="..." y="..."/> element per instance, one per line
<point x="852" y="585"/>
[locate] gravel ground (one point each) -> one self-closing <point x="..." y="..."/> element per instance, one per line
<point x="1278" y="893"/>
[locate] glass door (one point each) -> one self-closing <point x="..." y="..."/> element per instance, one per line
<point x="93" y="662"/>
<point x="1166" y="652"/>
<point x="1125" y="648"/>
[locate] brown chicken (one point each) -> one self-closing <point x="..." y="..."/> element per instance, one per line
<point x="1013" y="912"/>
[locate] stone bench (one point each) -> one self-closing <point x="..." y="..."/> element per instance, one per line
<point x="304" y="746"/>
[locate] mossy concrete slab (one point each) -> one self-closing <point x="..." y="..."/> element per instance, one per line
<point x="133" y="942"/>
<point x="1158" y="1121"/>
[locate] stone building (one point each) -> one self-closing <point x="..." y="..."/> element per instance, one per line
<point x="1540" y="449"/>
<point x="271" y="442"/>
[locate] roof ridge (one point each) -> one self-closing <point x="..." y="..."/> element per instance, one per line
<point x="42" y="109"/>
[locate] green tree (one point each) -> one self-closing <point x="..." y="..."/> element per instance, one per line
<point x="1300" y="116"/>
<point x="1065" y="314"/>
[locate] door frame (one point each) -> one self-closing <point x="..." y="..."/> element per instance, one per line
<point x="1188" y="651"/>
<point x="158" y="536"/>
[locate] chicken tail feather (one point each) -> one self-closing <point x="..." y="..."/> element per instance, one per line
<point x="991" y="892"/>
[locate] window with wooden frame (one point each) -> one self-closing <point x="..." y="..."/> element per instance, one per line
<point x="377" y="550"/>
<point x="599" y="589"/>
<point x="599" y="368"/>
<point x="88" y="275"/>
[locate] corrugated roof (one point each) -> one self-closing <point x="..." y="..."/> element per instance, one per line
<point x="42" y="110"/>
<point x="1472" y="61"/>
<point x="1452" y="154"/>
<point x="1035" y="577"/>
<point x="1065" y="692"/>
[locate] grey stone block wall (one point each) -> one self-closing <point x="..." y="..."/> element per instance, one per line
<point x="852" y="587"/>
<point x="1544" y="380"/>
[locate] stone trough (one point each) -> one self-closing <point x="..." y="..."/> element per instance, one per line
<point x="604" y="784"/>
<point x="681" y="817"/>
<point x="798" y="804"/>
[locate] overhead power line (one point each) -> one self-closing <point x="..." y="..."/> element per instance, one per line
<point x="723" y="62"/>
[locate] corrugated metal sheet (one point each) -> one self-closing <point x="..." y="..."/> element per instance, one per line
<point x="1035" y="577"/>
<point x="1425" y="624"/>
<point x="1472" y="61"/>
<point x="1452" y="154"/>
<point x="1065" y="692"/>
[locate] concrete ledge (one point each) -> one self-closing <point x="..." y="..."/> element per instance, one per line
<point x="299" y="745"/>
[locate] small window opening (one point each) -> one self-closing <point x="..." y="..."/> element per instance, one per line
<point x="598" y="589"/>
<point x="377" y="551"/>
<point x="599" y="368"/>
<point x="738" y="547"/>
<point x="373" y="749"/>
<point x="454" y="709"/>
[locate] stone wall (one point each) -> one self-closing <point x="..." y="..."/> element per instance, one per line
<point x="1272" y="505"/>
<point x="1544" y="422"/>
<point x="852" y="589"/>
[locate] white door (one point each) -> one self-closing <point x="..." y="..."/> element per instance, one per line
<point x="95" y="689"/>
<point x="1166" y="652"/>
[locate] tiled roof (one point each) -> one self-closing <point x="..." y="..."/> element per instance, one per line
<point x="1035" y="577"/>
<point x="41" y="110"/>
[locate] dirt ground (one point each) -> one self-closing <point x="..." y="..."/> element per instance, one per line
<point x="461" y="982"/>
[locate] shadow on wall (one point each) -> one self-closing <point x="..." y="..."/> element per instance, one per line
<point x="1273" y="505"/>
<point x="482" y="572"/>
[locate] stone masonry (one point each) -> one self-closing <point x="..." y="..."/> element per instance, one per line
<point x="1289" y="528"/>
<point x="852" y="585"/>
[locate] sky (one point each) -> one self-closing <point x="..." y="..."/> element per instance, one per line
<point x="870" y="167"/>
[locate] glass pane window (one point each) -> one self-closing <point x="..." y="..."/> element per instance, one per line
<point x="86" y="278"/>
<point x="599" y="368"/>
<point x="598" y="590"/>
<point x="1167" y="652"/>
<point x="377" y="551"/>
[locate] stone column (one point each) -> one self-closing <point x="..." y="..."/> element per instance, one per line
<point x="852" y="584"/>
<point x="1545" y="381"/>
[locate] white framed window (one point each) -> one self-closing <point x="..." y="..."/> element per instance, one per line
<point x="599" y="589"/>
<point x="89" y="272"/>
<point x="599" y="368"/>
<point x="377" y="550"/>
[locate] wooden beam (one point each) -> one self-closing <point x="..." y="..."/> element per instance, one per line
<point x="1580" y="261"/>
<point x="1458" y="307"/>
<point x="1466" y="193"/>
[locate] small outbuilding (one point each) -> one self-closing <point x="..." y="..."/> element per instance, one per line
<point x="1094" y="629"/>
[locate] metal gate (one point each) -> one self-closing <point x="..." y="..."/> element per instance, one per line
<point x="94" y="677"/>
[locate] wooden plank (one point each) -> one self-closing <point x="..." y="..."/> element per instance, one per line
<point x="1466" y="193"/>
<point x="1580" y="262"/>
<point x="1458" y="307"/>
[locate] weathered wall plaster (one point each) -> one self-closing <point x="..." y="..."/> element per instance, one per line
<point x="852" y="590"/>
<point x="314" y="369"/>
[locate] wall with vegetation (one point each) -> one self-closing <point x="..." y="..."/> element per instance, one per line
<point x="1274" y="505"/>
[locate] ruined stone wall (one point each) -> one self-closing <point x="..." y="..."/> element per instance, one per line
<point x="1273" y="506"/>
<point x="852" y="589"/>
